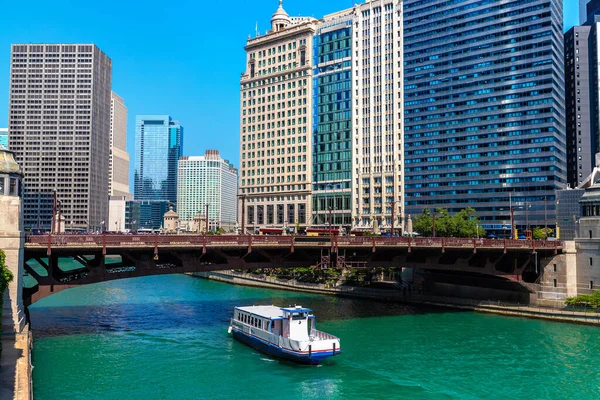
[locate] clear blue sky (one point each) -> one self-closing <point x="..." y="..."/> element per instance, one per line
<point x="181" y="58"/>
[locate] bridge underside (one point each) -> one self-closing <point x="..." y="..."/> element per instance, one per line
<point x="90" y="265"/>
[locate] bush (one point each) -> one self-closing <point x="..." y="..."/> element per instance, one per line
<point x="585" y="300"/>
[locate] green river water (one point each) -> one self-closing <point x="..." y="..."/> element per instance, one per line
<point x="165" y="337"/>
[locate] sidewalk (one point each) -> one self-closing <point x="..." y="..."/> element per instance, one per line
<point x="530" y="311"/>
<point x="15" y="374"/>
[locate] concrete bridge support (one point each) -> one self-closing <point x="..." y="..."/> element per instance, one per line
<point x="12" y="242"/>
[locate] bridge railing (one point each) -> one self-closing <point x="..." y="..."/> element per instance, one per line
<point x="248" y="240"/>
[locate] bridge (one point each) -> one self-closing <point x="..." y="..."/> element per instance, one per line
<point x="103" y="257"/>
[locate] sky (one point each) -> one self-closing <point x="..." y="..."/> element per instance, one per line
<point x="183" y="58"/>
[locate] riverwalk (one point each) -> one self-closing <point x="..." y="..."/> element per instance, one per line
<point x="398" y="295"/>
<point x="15" y="367"/>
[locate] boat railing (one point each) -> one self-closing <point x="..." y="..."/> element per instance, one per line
<point x="321" y="335"/>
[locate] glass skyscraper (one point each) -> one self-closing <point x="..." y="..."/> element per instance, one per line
<point x="484" y="108"/>
<point x="332" y="122"/>
<point x="158" y="146"/>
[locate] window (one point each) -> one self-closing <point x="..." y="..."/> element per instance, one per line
<point x="590" y="233"/>
<point x="13" y="187"/>
<point x="591" y="261"/>
<point x="1" y="186"/>
<point x="554" y="282"/>
<point x="591" y="285"/>
<point x="554" y="267"/>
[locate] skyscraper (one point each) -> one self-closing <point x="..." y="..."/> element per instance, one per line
<point x="158" y="146"/>
<point x="276" y="116"/>
<point x="484" y="108"/>
<point x="4" y="137"/>
<point x="581" y="121"/>
<point x="342" y="74"/>
<point x="207" y="180"/>
<point x="59" y="129"/>
<point x="118" y="166"/>
<point x="378" y="115"/>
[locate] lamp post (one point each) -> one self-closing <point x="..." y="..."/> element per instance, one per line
<point x="512" y="222"/>
<point x="243" y="214"/>
<point x="206" y="216"/>
<point x="393" y="203"/>
<point x="546" y="216"/>
<point x="53" y="210"/>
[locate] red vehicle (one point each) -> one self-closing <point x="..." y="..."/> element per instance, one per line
<point x="270" y="231"/>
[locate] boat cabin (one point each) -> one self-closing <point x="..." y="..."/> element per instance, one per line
<point x="294" y="323"/>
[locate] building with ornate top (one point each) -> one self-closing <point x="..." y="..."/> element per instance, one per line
<point x="321" y="120"/>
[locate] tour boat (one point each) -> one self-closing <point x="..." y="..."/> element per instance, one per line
<point x="285" y="332"/>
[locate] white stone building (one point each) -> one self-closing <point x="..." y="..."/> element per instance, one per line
<point x="207" y="180"/>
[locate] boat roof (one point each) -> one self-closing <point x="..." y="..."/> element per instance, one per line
<point x="272" y="312"/>
<point x="296" y="309"/>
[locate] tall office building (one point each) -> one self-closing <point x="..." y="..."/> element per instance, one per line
<point x="378" y="115"/>
<point x="582" y="57"/>
<point x="207" y="180"/>
<point x="118" y="165"/>
<point x="59" y="129"/>
<point x="4" y="137"/>
<point x="347" y="72"/>
<point x="484" y="108"/>
<point x="332" y="121"/>
<point x="587" y="9"/>
<point x="581" y="122"/>
<point x="158" y="146"/>
<point x="276" y="116"/>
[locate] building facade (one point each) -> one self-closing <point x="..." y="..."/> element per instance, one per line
<point x="158" y="146"/>
<point x="332" y="121"/>
<point x="118" y="165"/>
<point x="4" y="137"/>
<point x="581" y="123"/>
<point x="275" y="123"/>
<point x="207" y="180"/>
<point x="379" y="115"/>
<point x="341" y="77"/>
<point x="145" y="215"/>
<point x="59" y="129"/>
<point x="484" y="108"/>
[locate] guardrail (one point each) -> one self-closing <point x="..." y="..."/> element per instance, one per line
<point x="117" y="240"/>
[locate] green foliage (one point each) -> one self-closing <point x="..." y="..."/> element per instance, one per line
<point x="542" y="233"/>
<point x="6" y="276"/>
<point x="460" y="225"/>
<point x="585" y="300"/>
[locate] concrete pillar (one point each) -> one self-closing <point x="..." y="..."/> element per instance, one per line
<point x="570" y="252"/>
<point x="12" y="242"/>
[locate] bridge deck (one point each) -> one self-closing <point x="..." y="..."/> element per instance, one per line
<point x="75" y="241"/>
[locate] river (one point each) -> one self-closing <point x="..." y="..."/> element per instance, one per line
<point x="165" y="337"/>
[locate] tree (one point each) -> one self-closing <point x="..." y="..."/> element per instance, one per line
<point x="463" y="224"/>
<point x="542" y="233"/>
<point x="423" y="223"/>
<point x="5" y="278"/>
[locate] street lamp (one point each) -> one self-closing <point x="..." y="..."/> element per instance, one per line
<point x="433" y="224"/>
<point x="393" y="203"/>
<point x="545" y="216"/>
